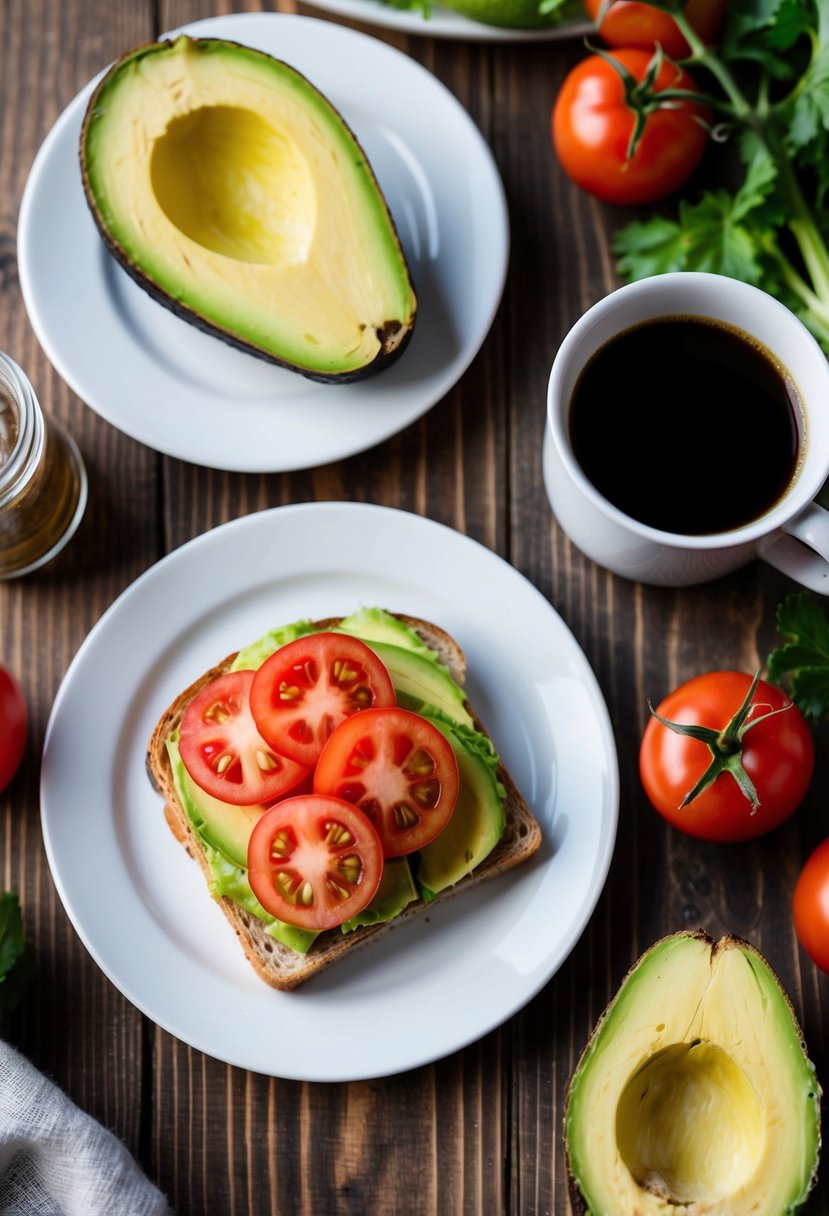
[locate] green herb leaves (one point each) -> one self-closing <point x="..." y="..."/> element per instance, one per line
<point x="803" y="661"/>
<point x="15" y="958"/>
<point x="770" y="84"/>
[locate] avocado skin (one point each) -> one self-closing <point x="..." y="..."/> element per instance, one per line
<point x="394" y="337"/>
<point x="479" y="812"/>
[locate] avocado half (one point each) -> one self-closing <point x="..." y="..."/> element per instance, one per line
<point x="234" y="193"/>
<point x="694" y="1095"/>
<point x="509" y="14"/>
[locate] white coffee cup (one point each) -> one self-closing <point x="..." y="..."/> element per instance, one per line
<point x="792" y="536"/>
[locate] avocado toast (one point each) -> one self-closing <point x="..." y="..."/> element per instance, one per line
<point x="491" y="830"/>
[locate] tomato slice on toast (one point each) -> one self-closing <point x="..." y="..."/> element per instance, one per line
<point x="307" y="687"/>
<point x="314" y="861"/>
<point x="399" y="769"/>
<point x="224" y="752"/>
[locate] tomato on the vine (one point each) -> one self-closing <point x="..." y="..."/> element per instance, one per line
<point x="810" y="906"/>
<point x="14" y="723"/>
<point x="595" y="117"/>
<point x="726" y="758"/>
<point x="629" y="23"/>
<point x="314" y="861"/>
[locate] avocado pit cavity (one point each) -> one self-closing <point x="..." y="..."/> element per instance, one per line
<point x="235" y="185"/>
<point x="690" y="1125"/>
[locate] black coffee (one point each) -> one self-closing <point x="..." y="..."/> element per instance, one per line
<point x="686" y="425"/>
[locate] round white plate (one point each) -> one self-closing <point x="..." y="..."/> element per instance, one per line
<point x="442" y="23"/>
<point x="140" y="903"/>
<point x="190" y="395"/>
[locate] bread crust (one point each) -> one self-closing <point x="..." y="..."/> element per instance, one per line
<point x="277" y="964"/>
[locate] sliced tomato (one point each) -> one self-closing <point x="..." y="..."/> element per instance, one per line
<point x="223" y="751"/>
<point x="307" y="687"/>
<point x="314" y="861"/>
<point x="398" y="769"/>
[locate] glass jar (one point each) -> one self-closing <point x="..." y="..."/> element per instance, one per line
<point x="43" y="484"/>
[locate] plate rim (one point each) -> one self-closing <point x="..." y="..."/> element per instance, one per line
<point x="191" y="550"/>
<point x="405" y="397"/>
<point x="446" y="24"/>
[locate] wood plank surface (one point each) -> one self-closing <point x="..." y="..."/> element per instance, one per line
<point x="479" y="1132"/>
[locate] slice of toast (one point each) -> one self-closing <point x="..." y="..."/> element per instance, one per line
<point x="277" y="964"/>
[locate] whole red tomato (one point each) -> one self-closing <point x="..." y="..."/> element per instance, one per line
<point x="629" y="23"/>
<point x="592" y="126"/>
<point x="743" y="771"/>
<point x="14" y="721"/>
<point x="811" y="906"/>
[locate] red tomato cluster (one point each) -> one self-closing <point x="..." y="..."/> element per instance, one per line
<point x="349" y="777"/>
<point x="619" y="130"/>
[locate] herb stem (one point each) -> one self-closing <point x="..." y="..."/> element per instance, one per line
<point x="818" y="308"/>
<point x="740" y="108"/>
<point x="803" y="226"/>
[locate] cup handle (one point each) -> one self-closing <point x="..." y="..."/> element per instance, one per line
<point x="801" y="549"/>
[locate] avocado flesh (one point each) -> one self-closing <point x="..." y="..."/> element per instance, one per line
<point x="475" y="828"/>
<point x="695" y="1093"/>
<point x="507" y="14"/>
<point x="421" y="683"/>
<point x="235" y="193"/>
<point x="377" y="625"/>
<point x="223" y="831"/>
<point x="396" y="892"/>
<point x="221" y="825"/>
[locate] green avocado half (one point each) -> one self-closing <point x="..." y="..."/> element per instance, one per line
<point x="514" y="14"/>
<point x="234" y="193"/>
<point x="694" y="1094"/>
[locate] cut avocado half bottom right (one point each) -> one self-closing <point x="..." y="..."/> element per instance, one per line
<point x="695" y="1095"/>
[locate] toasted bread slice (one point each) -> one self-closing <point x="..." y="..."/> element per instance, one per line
<point x="277" y="964"/>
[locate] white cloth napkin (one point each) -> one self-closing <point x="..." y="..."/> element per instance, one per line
<point x="55" y="1160"/>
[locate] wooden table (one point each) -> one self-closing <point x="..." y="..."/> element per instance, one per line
<point x="480" y="1131"/>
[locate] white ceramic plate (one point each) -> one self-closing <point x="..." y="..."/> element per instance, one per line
<point x="442" y="23"/>
<point x="139" y="902"/>
<point x="189" y="395"/>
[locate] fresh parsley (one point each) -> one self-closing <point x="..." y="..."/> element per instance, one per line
<point x="15" y="956"/>
<point x="802" y="662"/>
<point x="767" y="84"/>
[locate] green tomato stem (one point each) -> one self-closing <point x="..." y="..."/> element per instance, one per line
<point x="725" y="746"/>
